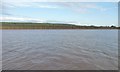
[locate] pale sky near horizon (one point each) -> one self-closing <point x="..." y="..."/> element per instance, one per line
<point x="80" y="13"/>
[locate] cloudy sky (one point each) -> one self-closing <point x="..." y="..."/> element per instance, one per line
<point x="80" y="13"/>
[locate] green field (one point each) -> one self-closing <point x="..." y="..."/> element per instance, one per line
<point x="18" y="25"/>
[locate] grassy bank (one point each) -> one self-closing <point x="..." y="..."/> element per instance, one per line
<point x="16" y="25"/>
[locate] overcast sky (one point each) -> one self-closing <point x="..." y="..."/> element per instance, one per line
<point x="80" y="13"/>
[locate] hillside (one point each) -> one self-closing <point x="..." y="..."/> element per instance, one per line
<point x="18" y="25"/>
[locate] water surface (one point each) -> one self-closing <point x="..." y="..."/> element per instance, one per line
<point x="60" y="49"/>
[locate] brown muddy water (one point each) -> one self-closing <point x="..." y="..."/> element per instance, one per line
<point x="59" y="49"/>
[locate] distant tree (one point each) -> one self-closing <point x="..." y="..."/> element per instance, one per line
<point x="113" y="26"/>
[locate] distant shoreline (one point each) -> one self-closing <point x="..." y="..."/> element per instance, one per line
<point x="54" y="29"/>
<point x="27" y="26"/>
